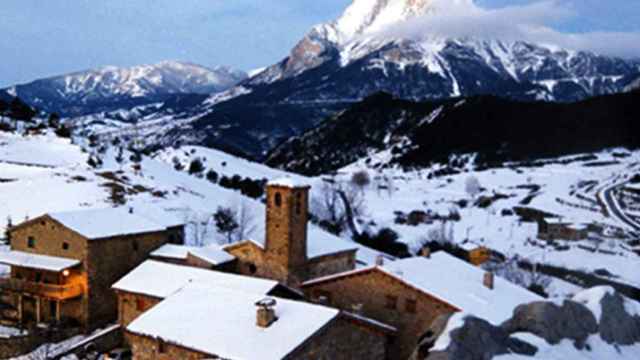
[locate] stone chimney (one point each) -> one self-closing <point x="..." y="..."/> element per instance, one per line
<point x="489" y="280"/>
<point x="379" y="260"/>
<point x="425" y="252"/>
<point x="357" y="309"/>
<point x="266" y="312"/>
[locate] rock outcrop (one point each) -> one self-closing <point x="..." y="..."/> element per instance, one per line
<point x="598" y="312"/>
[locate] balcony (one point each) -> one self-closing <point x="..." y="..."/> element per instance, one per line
<point x="54" y="292"/>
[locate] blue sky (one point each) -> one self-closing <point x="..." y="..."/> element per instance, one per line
<point x="43" y="37"/>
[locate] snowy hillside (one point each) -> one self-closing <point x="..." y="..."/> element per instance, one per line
<point x="570" y="188"/>
<point x="43" y="174"/>
<point x="112" y="88"/>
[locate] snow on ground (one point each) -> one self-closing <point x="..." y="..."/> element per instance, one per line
<point x="76" y="186"/>
<point x="29" y="150"/>
<point x="567" y="190"/>
<point x="222" y="163"/>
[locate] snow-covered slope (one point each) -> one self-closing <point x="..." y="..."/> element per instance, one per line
<point x="112" y="88"/>
<point x="44" y="174"/>
<point x="362" y="38"/>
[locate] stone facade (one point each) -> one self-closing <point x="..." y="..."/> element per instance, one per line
<point x="561" y="231"/>
<point x="344" y="339"/>
<point x="103" y="262"/>
<point x="284" y="255"/>
<point x="378" y="295"/>
<point x="131" y="305"/>
<point x="147" y="348"/>
<point x="340" y="339"/>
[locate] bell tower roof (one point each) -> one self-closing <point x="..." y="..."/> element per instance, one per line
<point x="289" y="182"/>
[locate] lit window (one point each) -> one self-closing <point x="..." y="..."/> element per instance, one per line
<point x="391" y="302"/>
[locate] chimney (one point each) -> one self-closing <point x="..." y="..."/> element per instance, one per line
<point x="488" y="280"/>
<point x="266" y="313"/>
<point x="379" y="260"/>
<point x="357" y="309"/>
<point x="426" y="252"/>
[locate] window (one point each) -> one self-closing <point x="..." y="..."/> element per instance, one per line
<point x="299" y="204"/>
<point x="65" y="246"/>
<point x="252" y="268"/>
<point x="411" y="306"/>
<point x="391" y="302"/>
<point x="140" y="304"/>
<point x="31" y="242"/>
<point x="278" y="200"/>
<point x="38" y="277"/>
<point x="135" y="245"/>
<point x="161" y="347"/>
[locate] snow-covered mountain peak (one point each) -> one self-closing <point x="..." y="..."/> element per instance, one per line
<point x="110" y="87"/>
<point x="366" y="17"/>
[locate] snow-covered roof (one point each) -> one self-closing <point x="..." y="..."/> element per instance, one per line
<point x="461" y="284"/>
<point x="288" y="182"/>
<point x="159" y="279"/>
<point x="321" y="243"/>
<point x="172" y="251"/>
<point x="222" y="322"/>
<point x="454" y="281"/>
<point x="35" y="261"/>
<point x="213" y="254"/>
<point x="105" y="223"/>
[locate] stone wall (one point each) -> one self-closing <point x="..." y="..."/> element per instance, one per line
<point x="411" y="311"/>
<point x="147" y="348"/>
<point x="331" y="264"/>
<point x="128" y="306"/>
<point x="108" y="261"/>
<point x="343" y="339"/>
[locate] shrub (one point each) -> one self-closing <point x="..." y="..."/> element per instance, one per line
<point x="386" y="240"/>
<point x="196" y="166"/>
<point x="212" y="176"/>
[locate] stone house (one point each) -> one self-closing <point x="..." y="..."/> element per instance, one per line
<point x="410" y="294"/>
<point x="63" y="264"/>
<point x="153" y="281"/>
<point x="476" y="254"/>
<point x="557" y="229"/>
<point x="221" y="323"/>
<point x="292" y="251"/>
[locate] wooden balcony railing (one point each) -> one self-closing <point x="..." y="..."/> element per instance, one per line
<point x="56" y="292"/>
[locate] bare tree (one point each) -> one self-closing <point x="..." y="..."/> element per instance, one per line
<point x="246" y="221"/>
<point x="327" y="206"/>
<point x="199" y="227"/>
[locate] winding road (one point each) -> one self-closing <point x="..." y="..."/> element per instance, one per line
<point x="608" y="199"/>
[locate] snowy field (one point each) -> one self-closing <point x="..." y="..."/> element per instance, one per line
<point x="566" y="190"/>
